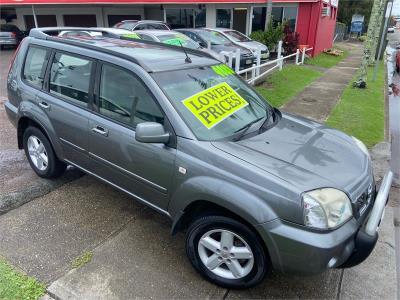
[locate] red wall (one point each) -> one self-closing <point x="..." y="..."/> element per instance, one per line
<point x="315" y="30"/>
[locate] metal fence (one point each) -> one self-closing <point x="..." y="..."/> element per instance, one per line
<point x="341" y="32"/>
<point x="259" y="70"/>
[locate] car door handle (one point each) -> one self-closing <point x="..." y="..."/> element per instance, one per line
<point x="45" y="105"/>
<point x="100" y="130"/>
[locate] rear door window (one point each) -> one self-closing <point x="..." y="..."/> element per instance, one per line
<point x="70" y="77"/>
<point x="35" y="65"/>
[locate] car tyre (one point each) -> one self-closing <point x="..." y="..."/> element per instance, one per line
<point x="41" y="155"/>
<point x="249" y="261"/>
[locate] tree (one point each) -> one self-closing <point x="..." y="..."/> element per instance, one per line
<point x="349" y="8"/>
<point x="373" y="27"/>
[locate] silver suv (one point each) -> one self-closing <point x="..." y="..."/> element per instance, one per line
<point x="252" y="187"/>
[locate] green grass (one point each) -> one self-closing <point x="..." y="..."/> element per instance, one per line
<point x="360" y="112"/>
<point x="325" y="60"/>
<point x="82" y="259"/>
<point x="14" y="285"/>
<point x="280" y="87"/>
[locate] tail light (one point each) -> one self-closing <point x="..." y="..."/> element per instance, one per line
<point x="14" y="56"/>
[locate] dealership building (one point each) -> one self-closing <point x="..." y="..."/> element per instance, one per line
<point x="314" y="20"/>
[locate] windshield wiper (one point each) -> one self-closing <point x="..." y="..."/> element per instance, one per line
<point x="245" y="128"/>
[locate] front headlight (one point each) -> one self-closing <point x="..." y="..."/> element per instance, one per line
<point x="361" y="145"/>
<point x="326" y="208"/>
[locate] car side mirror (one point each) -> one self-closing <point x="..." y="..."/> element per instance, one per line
<point x="202" y="44"/>
<point x="151" y="132"/>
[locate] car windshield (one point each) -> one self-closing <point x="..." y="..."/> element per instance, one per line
<point x="213" y="101"/>
<point x="237" y="36"/>
<point x="214" y="37"/>
<point x="177" y="39"/>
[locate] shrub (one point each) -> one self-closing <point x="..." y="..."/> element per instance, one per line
<point x="270" y="38"/>
<point x="273" y="35"/>
<point x="258" y="36"/>
<point x="290" y="41"/>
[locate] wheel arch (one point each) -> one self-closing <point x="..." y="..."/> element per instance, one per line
<point x="26" y="121"/>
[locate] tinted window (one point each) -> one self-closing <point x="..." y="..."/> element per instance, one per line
<point x="70" y="78"/>
<point x="35" y="65"/>
<point x="124" y="98"/>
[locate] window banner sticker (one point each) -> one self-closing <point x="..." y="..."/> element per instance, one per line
<point x="222" y="70"/>
<point x="131" y="35"/>
<point x="215" y="104"/>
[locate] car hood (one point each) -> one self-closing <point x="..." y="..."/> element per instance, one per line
<point x="303" y="153"/>
<point x="253" y="45"/>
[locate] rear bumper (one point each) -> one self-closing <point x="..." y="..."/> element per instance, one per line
<point x="12" y="112"/>
<point x="293" y="249"/>
<point x="8" y="41"/>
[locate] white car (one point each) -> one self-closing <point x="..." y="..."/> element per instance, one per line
<point x="390" y="29"/>
<point x="81" y="33"/>
<point x="240" y="39"/>
<point x="173" y="38"/>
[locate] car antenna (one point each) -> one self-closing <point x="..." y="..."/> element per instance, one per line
<point x="187" y="59"/>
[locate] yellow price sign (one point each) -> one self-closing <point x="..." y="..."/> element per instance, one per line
<point x="215" y="104"/>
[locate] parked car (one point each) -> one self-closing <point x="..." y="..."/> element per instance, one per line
<point x="254" y="188"/>
<point x="173" y="38"/>
<point x="142" y="25"/>
<point x="10" y="35"/>
<point x="77" y="33"/>
<point x="219" y="43"/>
<point x="391" y="29"/>
<point x="240" y="39"/>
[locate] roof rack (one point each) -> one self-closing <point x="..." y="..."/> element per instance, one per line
<point x="43" y="34"/>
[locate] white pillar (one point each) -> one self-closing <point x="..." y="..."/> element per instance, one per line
<point x="237" y="60"/>
<point x="297" y="56"/>
<point x="258" y="56"/>
<point x="211" y="15"/>
<point x="303" y="55"/>
<point x="280" y="62"/>
<point x="34" y="16"/>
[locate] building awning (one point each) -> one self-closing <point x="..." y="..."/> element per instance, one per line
<point x="119" y="2"/>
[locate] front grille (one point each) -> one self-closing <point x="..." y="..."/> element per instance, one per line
<point x="247" y="55"/>
<point x="362" y="202"/>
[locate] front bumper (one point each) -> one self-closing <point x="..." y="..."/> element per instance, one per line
<point x="293" y="249"/>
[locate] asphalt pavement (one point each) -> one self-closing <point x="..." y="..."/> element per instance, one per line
<point x="134" y="255"/>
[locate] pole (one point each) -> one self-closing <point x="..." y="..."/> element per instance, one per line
<point x="387" y="16"/>
<point x="34" y="16"/>
<point x="269" y="14"/>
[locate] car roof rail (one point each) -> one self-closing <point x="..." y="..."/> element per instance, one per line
<point x="43" y="34"/>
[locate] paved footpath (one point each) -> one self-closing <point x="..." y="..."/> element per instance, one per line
<point x="318" y="99"/>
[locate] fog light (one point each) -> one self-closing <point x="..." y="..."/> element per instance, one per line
<point x="332" y="262"/>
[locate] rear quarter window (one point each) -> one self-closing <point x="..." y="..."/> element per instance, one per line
<point x="35" y="65"/>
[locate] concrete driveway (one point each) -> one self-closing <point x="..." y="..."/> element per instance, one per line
<point x="134" y="255"/>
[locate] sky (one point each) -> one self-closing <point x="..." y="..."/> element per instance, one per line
<point x="396" y="8"/>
